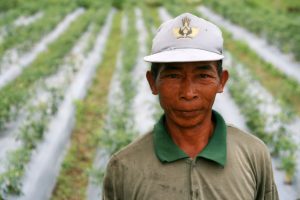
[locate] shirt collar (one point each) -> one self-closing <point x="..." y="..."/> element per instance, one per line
<point x="167" y="151"/>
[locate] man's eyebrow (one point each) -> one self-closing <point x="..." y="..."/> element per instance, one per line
<point x="205" y="67"/>
<point x="170" y="67"/>
<point x="200" y="67"/>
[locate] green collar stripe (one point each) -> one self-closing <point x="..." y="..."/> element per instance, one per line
<point x="167" y="151"/>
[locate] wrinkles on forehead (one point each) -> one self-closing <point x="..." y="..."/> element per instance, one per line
<point x="197" y="66"/>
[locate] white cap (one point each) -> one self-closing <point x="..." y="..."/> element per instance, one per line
<point x="186" y="38"/>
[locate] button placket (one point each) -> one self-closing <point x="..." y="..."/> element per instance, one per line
<point x="194" y="190"/>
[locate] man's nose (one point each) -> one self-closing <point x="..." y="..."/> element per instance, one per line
<point x="188" y="90"/>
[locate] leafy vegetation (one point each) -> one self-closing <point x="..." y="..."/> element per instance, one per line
<point x="120" y="131"/>
<point x="279" y="139"/>
<point x="23" y="38"/>
<point x="152" y="22"/>
<point x="282" y="87"/>
<point x="177" y="7"/>
<point x="111" y="128"/>
<point x="13" y="95"/>
<point x="8" y="8"/>
<point x="279" y="28"/>
<point x="31" y="133"/>
<point x="11" y="10"/>
<point x="73" y="178"/>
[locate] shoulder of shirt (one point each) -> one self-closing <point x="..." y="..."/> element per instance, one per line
<point x="244" y="138"/>
<point x="141" y="145"/>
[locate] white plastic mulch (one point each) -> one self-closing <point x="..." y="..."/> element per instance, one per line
<point x="41" y="172"/>
<point x="58" y="81"/>
<point x="26" y="20"/>
<point x="144" y="101"/>
<point x="115" y="100"/>
<point x="14" y="67"/>
<point x="267" y="52"/>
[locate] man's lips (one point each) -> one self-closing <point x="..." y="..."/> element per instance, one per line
<point x="188" y="113"/>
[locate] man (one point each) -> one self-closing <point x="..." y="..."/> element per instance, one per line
<point x="191" y="153"/>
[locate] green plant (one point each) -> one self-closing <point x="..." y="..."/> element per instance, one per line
<point x="96" y="175"/>
<point x="194" y="2"/>
<point x="23" y="38"/>
<point x="176" y="7"/>
<point x="283" y="88"/>
<point x="119" y="4"/>
<point x="89" y="4"/>
<point x="120" y="133"/>
<point x="279" y="140"/>
<point x="6" y="5"/>
<point x="120" y="128"/>
<point x="289" y="164"/>
<point x="153" y="3"/>
<point x="90" y="114"/>
<point x="31" y="133"/>
<point x="279" y="28"/>
<point x="15" y="94"/>
<point x="10" y="180"/>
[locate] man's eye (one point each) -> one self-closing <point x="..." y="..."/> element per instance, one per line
<point x="203" y="76"/>
<point x="173" y="76"/>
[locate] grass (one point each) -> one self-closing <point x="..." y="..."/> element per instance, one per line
<point x="73" y="179"/>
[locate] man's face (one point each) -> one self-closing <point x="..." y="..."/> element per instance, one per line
<point x="187" y="90"/>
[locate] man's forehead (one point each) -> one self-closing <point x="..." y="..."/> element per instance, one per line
<point x="200" y="65"/>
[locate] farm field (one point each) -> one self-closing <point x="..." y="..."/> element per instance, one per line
<point x="73" y="89"/>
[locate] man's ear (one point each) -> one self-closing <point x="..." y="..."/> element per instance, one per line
<point x="223" y="80"/>
<point x="151" y="82"/>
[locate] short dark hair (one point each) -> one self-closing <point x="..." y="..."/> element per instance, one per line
<point x="155" y="68"/>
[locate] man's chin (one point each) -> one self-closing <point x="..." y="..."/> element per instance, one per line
<point x="188" y="115"/>
<point x="189" y="122"/>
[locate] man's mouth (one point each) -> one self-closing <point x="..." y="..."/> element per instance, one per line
<point x="188" y="113"/>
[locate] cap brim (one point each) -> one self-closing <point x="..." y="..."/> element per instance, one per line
<point x="183" y="55"/>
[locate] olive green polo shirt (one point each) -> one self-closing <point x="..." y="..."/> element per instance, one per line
<point x="233" y="165"/>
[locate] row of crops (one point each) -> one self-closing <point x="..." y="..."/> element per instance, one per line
<point x="118" y="128"/>
<point x="97" y="57"/>
<point x="280" y="28"/>
<point x="90" y="119"/>
<point x="31" y="101"/>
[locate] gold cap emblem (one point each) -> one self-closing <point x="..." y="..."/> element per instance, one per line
<point x="185" y="31"/>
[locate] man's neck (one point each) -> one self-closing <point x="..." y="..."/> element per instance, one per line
<point x="191" y="140"/>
